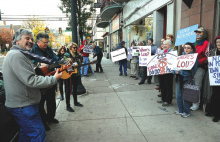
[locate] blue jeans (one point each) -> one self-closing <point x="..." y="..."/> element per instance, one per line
<point x="85" y="60"/>
<point x="31" y="126"/>
<point x="124" y="64"/>
<point x="183" y="106"/>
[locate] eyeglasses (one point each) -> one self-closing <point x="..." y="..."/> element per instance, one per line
<point x="217" y="42"/>
<point x="45" y="42"/>
<point x="74" y="47"/>
<point x="187" y="47"/>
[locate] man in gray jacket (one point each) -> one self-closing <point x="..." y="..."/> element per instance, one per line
<point x="22" y="87"/>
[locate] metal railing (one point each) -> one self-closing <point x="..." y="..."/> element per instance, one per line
<point x="106" y="3"/>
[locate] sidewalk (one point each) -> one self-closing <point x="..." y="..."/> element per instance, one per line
<point x="117" y="109"/>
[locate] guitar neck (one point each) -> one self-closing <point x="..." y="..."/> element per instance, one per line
<point x="53" y="72"/>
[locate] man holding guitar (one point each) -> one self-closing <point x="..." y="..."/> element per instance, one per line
<point x="22" y="87"/>
<point x="41" y="48"/>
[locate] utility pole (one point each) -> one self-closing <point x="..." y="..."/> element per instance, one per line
<point x="80" y="89"/>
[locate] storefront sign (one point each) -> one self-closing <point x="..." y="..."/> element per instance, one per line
<point x="185" y="62"/>
<point x="214" y="70"/>
<point x="135" y="50"/>
<point x="186" y="35"/>
<point x="161" y="64"/>
<point x="88" y="49"/>
<point x="145" y="54"/>
<point x="118" y="55"/>
<point x="129" y="53"/>
<point x="115" y="23"/>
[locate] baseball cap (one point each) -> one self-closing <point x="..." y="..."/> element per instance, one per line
<point x="201" y="29"/>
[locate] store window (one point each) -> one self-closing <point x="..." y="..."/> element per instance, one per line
<point x="114" y="40"/>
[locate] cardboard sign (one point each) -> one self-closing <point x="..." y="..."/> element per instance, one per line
<point x="88" y="49"/>
<point x="186" y="35"/>
<point x="185" y="62"/>
<point x="214" y="70"/>
<point x="161" y="64"/>
<point x="145" y="53"/>
<point x="135" y="51"/>
<point x="118" y="55"/>
<point x="129" y="53"/>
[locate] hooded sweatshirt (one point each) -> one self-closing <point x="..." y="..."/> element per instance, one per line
<point x="121" y="46"/>
<point x="22" y="85"/>
<point x="81" y="50"/>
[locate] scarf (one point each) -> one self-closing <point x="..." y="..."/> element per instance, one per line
<point x="202" y="39"/>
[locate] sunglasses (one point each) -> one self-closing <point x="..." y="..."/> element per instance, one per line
<point x="74" y="47"/>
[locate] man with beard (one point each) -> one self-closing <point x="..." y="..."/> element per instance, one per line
<point x="22" y="87"/>
<point x="41" y="48"/>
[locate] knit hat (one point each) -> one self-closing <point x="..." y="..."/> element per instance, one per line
<point x="218" y="37"/>
<point x="151" y="39"/>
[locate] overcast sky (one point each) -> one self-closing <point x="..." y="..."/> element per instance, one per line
<point x="32" y="7"/>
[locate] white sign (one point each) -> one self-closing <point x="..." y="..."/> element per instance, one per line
<point x="118" y="55"/>
<point x="185" y="62"/>
<point x="214" y="70"/>
<point x="161" y="64"/>
<point x="135" y="51"/>
<point x="145" y="54"/>
<point x="88" y="49"/>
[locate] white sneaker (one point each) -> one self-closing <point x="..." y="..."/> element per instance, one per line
<point x="177" y="112"/>
<point x="195" y="107"/>
<point x="184" y="115"/>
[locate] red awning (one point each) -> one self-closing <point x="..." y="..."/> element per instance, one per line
<point x="105" y="34"/>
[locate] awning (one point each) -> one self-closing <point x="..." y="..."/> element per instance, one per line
<point x="188" y="2"/>
<point x="105" y="34"/>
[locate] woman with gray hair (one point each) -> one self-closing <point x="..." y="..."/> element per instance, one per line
<point x="166" y="80"/>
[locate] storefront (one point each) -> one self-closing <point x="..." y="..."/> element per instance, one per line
<point x="115" y="32"/>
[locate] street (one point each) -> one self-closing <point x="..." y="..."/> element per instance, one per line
<point x="117" y="109"/>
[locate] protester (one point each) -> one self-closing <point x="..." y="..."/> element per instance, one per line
<point x="99" y="54"/>
<point x="22" y="101"/>
<point x="72" y="82"/>
<point x="153" y="52"/>
<point x="166" y="80"/>
<point x="211" y="93"/>
<point x="41" y="48"/>
<point x="133" y="64"/>
<point x="124" y="61"/>
<point x="182" y="78"/>
<point x="143" y="69"/>
<point x="202" y="48"/>
<point x="60" y="53"/>
<point x="170" y="37"/>
<point x="85" y="57"/>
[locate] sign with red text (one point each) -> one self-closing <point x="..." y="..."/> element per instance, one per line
<point x="145" y="53"/>
<point x="118" y="55"/>
<point x="161" y="64"/>
<point x="185" y="62"/>
<point x="214" y="70"/>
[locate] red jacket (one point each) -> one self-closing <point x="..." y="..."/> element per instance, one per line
<point x="81" y="50"/>
<point x="202" y="48"/>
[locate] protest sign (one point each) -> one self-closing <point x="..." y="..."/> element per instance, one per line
<point x="118" y="55"/>
<point x="185" y="62"/>
<point x="88" y="49"/>
<point x="214" y="70"/>
<point x="129" y="53"/>
<point x="161" y="64"/>
<point x="135" y="51"/>
<point x="145" y="53"/>
<point x="186" y="35"/>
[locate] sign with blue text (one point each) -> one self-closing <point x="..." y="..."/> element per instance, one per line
<point x="214" y="70"/>
<point x="145" y="54"/>
<point x="186" y="35"/>
<point x="161" y="64"/>
<point x="88" y="49"/>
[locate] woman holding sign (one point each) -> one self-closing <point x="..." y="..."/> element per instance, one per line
<point x="213" y="92"/>
<point x="182" y="78"/>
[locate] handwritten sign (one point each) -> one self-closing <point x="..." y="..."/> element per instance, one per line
<point x="145" y="53"/>
<point x="118" y="55"/>
<point x="135" y="51"/>
<point x="186" y="35"/>
<point x="214" y="70"/>
<point x="161" y="64"/>
<point x="88" y="49"/>
<point x="129" y="53"/>
<point x="185" y="62"/>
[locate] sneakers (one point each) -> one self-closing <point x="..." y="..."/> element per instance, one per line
<point x="194" y="107"/>
<point x="120" y="74"/>
<point x="177" y="112"/>
<point x="160" y="102"/>
<point x="184" y="115"/>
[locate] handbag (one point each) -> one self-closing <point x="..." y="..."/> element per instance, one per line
<point x="191" y="91"/>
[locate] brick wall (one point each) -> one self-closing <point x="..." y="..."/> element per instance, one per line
<point x="202" y="12"/>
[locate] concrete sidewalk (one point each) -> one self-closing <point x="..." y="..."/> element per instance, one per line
<point x="117" y="109"/>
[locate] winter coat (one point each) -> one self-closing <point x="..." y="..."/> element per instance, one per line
<point x="153" y="49"/>
<point x="120" y="46"/>
<point x="97" y="51"/>
<point x="202" y="49"/>
<point x="81" y="50"/>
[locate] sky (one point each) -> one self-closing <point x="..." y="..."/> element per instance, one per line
<point x="32" y="7"/>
